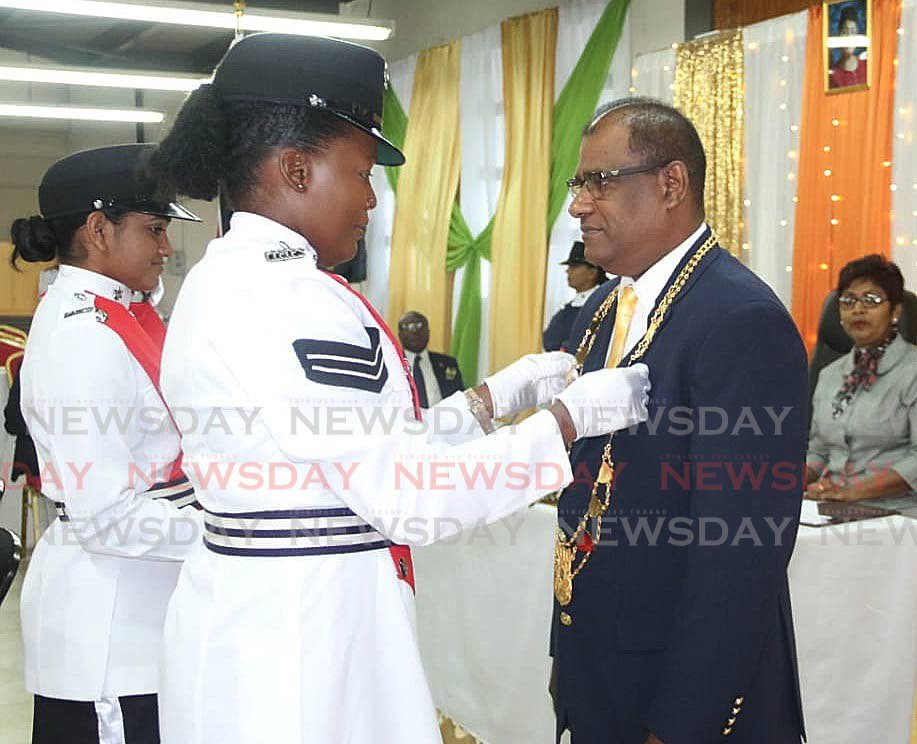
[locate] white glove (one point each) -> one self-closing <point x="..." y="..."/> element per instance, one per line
<point x="607" y="400"/>
<point x="532" y="380"/>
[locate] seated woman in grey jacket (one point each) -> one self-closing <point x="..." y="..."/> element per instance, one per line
<point x="863" y="442"/>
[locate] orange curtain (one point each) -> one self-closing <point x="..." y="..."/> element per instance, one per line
<point x="844" y="208"/>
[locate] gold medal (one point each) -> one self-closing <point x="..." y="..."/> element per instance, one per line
<point x="563" y="570"/>
<point x="606" y="473"/>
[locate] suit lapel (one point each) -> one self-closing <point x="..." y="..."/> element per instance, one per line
<point x="596" y="358"/>
<point x="714" y="255"/>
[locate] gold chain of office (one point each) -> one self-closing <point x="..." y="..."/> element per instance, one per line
<point x="583" y="540"/>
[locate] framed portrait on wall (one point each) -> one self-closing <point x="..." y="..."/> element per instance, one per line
<point x="848" y="29"/>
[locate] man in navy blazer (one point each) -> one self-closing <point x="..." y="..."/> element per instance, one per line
<point x="436" y="376"/>
<point x="678" y="628"/>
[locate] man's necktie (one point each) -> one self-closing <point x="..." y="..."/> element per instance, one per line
<point x="420" y="383"/>
<point x="627" y="301"/>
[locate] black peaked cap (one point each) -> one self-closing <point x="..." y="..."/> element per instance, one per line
<point x="106" y="177"/>
<point x="345" y="79"/>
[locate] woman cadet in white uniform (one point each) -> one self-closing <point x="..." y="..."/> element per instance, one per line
<point x="294" y="622"/>
<point x="95" y="595"/>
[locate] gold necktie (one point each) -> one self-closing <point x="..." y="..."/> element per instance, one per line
<point x="627" y="301"/>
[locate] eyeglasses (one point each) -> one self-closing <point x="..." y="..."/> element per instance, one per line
<point x="598" y="183"/>
<point x="868" y="300"/>
<point x="413" y="326"/>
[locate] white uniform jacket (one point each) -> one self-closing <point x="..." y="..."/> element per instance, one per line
<point x="291" y="396"/>
<point x="96" y="591"/>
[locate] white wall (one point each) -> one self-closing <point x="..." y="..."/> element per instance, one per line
<point x="420" y="24"/>
<point x="28" y="148"/>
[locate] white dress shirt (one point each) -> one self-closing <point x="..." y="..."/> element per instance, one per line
<point x="430" y="383"/>
<point x="580" y="298"/>
<point x="649" y="286"/>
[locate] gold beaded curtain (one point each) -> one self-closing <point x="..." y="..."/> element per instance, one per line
<point x="710" y="90"/>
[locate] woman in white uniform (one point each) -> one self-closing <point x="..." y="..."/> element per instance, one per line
<point x="294" y="622"/>
<point x="95" y="595"/>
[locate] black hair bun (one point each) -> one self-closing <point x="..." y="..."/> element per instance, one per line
<point x="33" y="240"/>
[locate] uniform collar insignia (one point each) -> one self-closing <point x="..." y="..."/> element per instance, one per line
<point x="280" y="242"/>
<point x="82" y="282"/>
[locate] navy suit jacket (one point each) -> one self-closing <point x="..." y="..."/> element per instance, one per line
<point x="447" y="372"/>
<point x="554" y="337"/>
<point x="674" y="632"/>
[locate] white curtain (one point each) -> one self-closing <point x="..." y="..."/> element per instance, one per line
<point x="482" y="136"/>
<point x="379" y="232"/>
<point x="653" y="75"/>
<point x="775" y="54"/>
<point x="904" y="199"/>
<point x="576" y="20"/>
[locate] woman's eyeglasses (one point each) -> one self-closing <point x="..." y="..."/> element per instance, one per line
<point x="599" y="183"/>
<point x="868" y="300"/>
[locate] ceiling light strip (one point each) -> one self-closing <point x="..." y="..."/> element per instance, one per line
<point x="189" y="14"/>
<point x="100" y="79"/>
<point x="28" y="111"/>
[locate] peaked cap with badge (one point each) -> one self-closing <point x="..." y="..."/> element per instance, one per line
<point x="578" y="255"/>
<point x="102" y="178"/>
<point x="342" y="78"/>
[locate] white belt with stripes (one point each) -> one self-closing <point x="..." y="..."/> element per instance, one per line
<point x="290" y="532"/>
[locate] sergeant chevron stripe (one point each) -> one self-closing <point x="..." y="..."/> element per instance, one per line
<point x="344" y="365"/>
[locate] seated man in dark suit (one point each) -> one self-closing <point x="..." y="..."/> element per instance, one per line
<point x="437" y="375"/>
<point x="583" y="277"/>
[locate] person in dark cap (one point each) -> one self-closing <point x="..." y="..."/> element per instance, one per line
<point x="96" y="591"/>
<point x="583" y="277"/>
<point x="294" y="622"/>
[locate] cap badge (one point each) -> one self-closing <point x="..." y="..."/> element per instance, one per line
<point x="317" y="101"/>
<point x="97" y="204"/>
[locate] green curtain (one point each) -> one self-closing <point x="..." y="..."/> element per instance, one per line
<point x="394" y="127"/>
<point x="572" y="111"/>
<point x="465" y="250"/>
<point x="578" y="100"/>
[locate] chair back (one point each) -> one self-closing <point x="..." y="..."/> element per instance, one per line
<point x="10" y="555"/>
<point x="833" y="342"/>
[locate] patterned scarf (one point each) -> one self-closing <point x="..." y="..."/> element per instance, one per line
<point x="863" y="375"/>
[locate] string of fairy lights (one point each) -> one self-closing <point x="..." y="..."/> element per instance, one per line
<point x="904" y="199"/>
<point x="902" y="230"/>
<point x="787" y="121"/>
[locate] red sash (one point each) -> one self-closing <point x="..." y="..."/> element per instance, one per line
<point x="143" y="333"/>
<point x="401" y="554"/>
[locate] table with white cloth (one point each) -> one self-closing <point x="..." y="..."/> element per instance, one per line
<point x="484" y="611"/>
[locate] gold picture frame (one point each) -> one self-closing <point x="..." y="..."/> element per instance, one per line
<point x="847" y="68"/>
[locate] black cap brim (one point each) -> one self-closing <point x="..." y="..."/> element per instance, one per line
<point x="386" y="153"/>
<point x="171" y="210"/>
